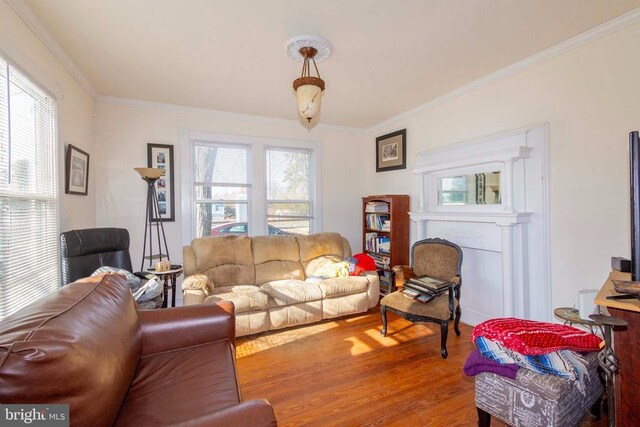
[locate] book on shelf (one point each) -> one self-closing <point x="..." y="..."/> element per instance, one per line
<point x="382" y="262"/>
<point x="376" y="207"/>
<point x="378" y="244"/>
<point x="384" y="280"/>
<point x="377" y="221"/>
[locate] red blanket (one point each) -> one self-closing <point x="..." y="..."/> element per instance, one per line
<point x="534" y="338"/>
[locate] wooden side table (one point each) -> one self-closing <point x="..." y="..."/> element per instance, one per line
<point x="169" y="278"/>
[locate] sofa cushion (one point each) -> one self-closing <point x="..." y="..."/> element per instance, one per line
<point x="295" y="314"/>
<point x="225" y="260"/>
<point x="243" y="297"/>
<point x="316" y="250"/>
<point x="64" y="348"/>
<point x="202" y="377"/>
<point x="276" y="258"/>
<point x="287" y="292"/>
<point x="343" y="286"/>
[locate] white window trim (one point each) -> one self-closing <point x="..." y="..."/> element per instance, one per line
<point x="257" y="165"/>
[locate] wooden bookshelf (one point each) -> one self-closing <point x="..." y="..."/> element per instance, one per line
<point x="394" y="238"/>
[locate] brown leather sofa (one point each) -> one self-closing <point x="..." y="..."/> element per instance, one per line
<point x="88" y="346"/>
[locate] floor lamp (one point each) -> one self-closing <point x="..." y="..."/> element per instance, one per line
<point x="153" y="216"/>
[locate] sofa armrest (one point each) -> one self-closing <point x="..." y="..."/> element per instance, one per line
<point x="252" y="413"/>
<point x="370" y="275"/>
<point x="195" y="289"/>
<point x="179" y="327"/>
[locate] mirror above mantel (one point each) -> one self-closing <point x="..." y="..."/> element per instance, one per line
<point x="472" y="189"/>
<point x="481" y="181"/>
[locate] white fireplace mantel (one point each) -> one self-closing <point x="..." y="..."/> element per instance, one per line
<point x="505" y="244"/>
<point x="497" y="218"/>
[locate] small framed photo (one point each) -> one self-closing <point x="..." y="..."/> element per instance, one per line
<point x="391" y="151"/>
<point x="76" y="171"/>
<point x="161" y="156"/>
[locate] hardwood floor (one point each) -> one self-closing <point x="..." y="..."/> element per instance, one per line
<point x="344" y="373"/>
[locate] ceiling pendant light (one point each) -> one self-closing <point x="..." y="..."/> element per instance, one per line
<point x="308" y="89"/>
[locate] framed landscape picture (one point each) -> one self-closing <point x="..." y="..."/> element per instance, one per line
<point x="161" y="156"/>
<point x="391" y="151"/>
<point x="76" y="171"/>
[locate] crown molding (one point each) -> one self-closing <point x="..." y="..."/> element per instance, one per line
<point x="104" y="99"/>
<point x="35" y="25"/>
<point x="604" y="29"/>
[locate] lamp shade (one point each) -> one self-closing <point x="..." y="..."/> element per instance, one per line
<point x="308" y="96"/>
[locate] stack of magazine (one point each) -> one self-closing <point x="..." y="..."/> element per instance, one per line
<point x="424" y="288"/>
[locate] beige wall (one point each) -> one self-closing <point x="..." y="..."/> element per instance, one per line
<point x="75" y="107"/>
<point x="590" y="98"/>
<point x="122" y="132"/>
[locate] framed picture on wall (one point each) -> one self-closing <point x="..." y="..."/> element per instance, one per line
<point x="76" y="171"/>
<point x="161" y="156"/>
<point x="391" y="153"/>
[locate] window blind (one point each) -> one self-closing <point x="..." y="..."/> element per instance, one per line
<point x="29" y="266"/>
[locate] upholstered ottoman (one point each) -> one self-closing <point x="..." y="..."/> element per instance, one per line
<point x="537" y="400"/>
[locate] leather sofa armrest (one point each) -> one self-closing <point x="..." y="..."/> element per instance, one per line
<point x="180" y="327"/>
<point x="251" y="413"/>
<point x="195" y="289"/>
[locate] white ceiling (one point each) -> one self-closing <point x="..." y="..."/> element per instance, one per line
<point x="388" y="56"/>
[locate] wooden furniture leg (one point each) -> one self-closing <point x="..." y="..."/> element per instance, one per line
<point x="165" y="303"/>
<point x="383" y="313"/>
<point x="444" y="331"/>
<point x="173" y="290"/>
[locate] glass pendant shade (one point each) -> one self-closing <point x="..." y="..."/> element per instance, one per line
<point x="308" y="96"/>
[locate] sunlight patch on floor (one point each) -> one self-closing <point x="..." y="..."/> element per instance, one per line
<point x="355" y="318"/>
<point x="358" y="346"/>
<point x="246" y="346"/>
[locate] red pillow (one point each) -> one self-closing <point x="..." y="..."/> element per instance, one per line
<point x="532" y="338"/>
<point x="365" y="263"/>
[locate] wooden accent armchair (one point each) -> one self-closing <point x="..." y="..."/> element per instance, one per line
<point x="438" y="259"/>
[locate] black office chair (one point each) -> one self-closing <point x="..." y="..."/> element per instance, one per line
<point x="84" y="251"/>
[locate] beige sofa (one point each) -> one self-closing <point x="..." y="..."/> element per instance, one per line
<point x="268" y="279"/>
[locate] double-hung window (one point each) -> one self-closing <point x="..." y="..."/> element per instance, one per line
<point x="222" y="189"/>
<point x="29" y="261"/>
<point x="289" y="190"/>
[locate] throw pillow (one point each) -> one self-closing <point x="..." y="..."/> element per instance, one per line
<point x="365" y="263"/>
<point x="531" y="337"/>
